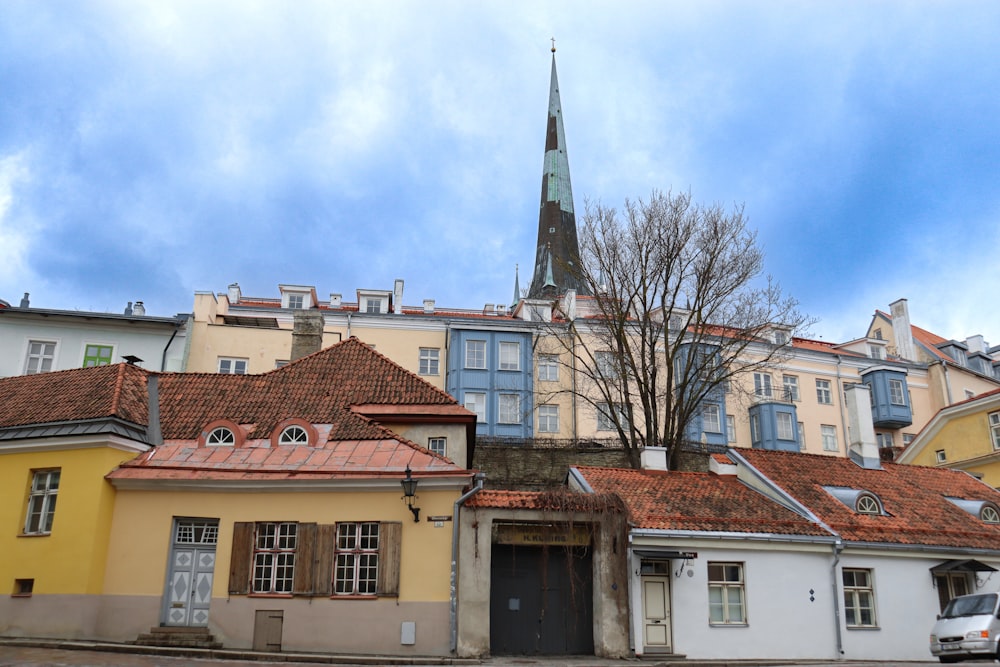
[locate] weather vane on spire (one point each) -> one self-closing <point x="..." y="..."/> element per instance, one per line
<point x="553" y="44"/>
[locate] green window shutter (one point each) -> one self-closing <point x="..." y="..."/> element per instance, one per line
<point x="326" y="543"/>
<point x="305" y="553"/>
<point x="239" y="560"/>
<point x="390" y="534"/>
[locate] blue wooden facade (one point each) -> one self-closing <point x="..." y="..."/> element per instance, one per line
<point x="767" y="433"/>
<point x="890" y="396"/>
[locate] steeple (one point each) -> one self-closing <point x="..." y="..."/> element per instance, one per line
<point x="557" y="255"/>
<point x="517" y="288"/>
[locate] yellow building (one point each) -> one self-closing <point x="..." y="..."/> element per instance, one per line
<point x="964" y="436"/>
<point x="264" y="511"/>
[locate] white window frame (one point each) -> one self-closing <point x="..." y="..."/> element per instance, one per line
<point x="430" y="361"/>
<point x="508" y="408"/>
<point x="790" y="387"/>
<point x="475" y="401"/>
<point x="42" y="359"/>
<point x="42" y="502"/>
<point x="296" y="301"/>
<point x="802" y="437"/>
<point x="726" y="593"/>
<point x="994" y="419"/>
<point x="373" y="305"/>
<point x="730" y="428"/>
<point x="475" y="354"/>
<point x="711" y="415"/>
<point x="784" y="425"/>
<point x="509" y="355"/>
<point x="824" y="392"/>
<point x="220" y="436"/>
<point x="438" y="445"/>
<point x="883" y="440"/>
<point x="604" y="420"/>
<point x="828" y="434"/>
<point x="548" y="418"/>
<point x="548" y="368"/>
<point x="859" y="597"/>
<point x="274" y="557"/>
<point x="355" y="570"/>
<point x="605" y="365"/>
<point x="762" y="385"/>
<point x="232" y="365"/>
<point x="294" y="435"/>
<point x="897" y="394"/>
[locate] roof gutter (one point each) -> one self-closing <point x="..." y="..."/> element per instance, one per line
<point x="478" y="480"/>
<point x="722" y="535"/>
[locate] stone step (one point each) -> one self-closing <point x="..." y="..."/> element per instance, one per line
<point x="180" y="637"/>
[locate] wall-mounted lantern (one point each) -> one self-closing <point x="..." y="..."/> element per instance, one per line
<point x="410" y="493"/>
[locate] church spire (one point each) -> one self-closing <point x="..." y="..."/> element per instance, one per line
<point x="517" y="288"/>
<point x="557" y="250"/>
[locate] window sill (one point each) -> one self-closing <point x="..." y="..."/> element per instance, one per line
<point x="863" y="627"/>
<point x="729" y="625"/>
<point x="35" y="534"/>
<point x="269" y="595"/>
<point x="354" y="597"/>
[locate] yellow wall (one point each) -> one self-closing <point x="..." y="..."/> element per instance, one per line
<point x="963" y="437"/>
<point x="140" y="533"/>
<point x="70" y="560"/>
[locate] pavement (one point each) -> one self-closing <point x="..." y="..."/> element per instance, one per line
<point x="65" y="653"/>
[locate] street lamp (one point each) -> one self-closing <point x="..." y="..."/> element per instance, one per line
<point x="410" y="492"/>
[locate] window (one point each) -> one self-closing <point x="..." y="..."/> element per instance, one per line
<point x="754" y="427"/>
<point x="829" y="436"/>
<point x="429" y="361"/>
<point x="373" y="305"/>
<point x="951" y="585"/>
<point x="281" y="363"/>
<point x="823" y="393"/>
<point x="876" y="351"/>
<point x="989" y="513"/>
<point x="712" y="417"/>
<point x="995" y="429"/>
<point x="908" y="438"/>
<point x="762" y="384"/>
<point x="23" y="588"/>
<point x="548" y="368"/>
<point x="859" y="598"/>
<point x="274" y="557"/>
<point x="883" y="440"/>
<point x="730" y="428"/>
<point x="193" y="531"/>
<point x="867" y="504"/>
<point x="356" y="559"/>
<point x="785" y="429"/>
<point x="605" y="419"/>
<point x="220" y="436"/>
<point x="42" y="502"/>
<point x="790" y="384"/>
<point x="296" y="301"/>
<point x="509" y="409"/>
<point x="940" y="456"/>
<point x="41" y="354"/>
<point x="510" y="356"/>
<point x="475" y="354"/>
<point x="726" y="601"/>
<point x="896" y="396"/>
<point x="232" y="366"/>
<point x="605" y="362"/>
<point x="802" y="437"/>
<point x="293" y="435"/>
<point x="476" y="402"/>
<point x="438" y="445"/>
<point x="548" y="418"/>
<point x="97" y="355"/>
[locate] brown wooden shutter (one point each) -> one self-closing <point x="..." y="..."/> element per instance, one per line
<point x="239" y="559"/>
<point x="390" y="537"/>
<point x="326" y="542"/>
<point x="305" y="553"/>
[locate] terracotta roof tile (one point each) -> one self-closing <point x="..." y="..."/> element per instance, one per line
<point x="914" y="498"/>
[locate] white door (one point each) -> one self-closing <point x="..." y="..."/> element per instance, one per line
<point x="656" y="614"/>
<point x="188" y="592"/>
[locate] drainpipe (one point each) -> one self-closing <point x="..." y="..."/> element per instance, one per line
<point x="840" y="402"/>
<point x="478" y="479"/>
<point x="838" y="547"/>
<point x="947" y="381"/>
<point x="348" y="325"/>
<point x="572" y="394"/>
<point x="163" y="357"/>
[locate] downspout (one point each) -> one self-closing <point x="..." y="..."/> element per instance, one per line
<point x="840" y="402"/>
<point x="348" y="325"/>
<point x="478" y="480"/>
<point x="838" y="547"/>
<point x="163" y="357"/>
<point x="572" y="394"/>
<point x="947" y="381"/>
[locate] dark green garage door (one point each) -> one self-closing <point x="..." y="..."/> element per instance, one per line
<point x="541" y="601"/>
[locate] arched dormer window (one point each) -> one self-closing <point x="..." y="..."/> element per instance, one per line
<point x="294" y="432"/>
<point x="859" y="500"/>
<point x="867" y="504"/>
<point x="989" y="513"/>
<point x="221" y="433"/>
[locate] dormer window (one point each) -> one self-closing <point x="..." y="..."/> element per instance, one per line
<point x="861" y="501"/>
<point x="296" y="300"/>
<point x="867" y="504"/>
<point x="293" y="435"/>
<point x="297" y="297"/>
<point x="989" y="513"/>
<point x="986" y="510"/>
<point x="221" y="437"/>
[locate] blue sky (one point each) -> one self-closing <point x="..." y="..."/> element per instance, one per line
<point x="149" y="150"/>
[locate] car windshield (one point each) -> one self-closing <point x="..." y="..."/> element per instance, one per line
<point x="970" y="605"/>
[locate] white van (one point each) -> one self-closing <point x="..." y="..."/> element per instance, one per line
<point x="968" y="628"/>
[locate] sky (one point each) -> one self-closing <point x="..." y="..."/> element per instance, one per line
<point x="153" y="149"/>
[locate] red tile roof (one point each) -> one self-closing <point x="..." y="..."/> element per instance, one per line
<point x="913" y="498"/>
<point x="561" y="500"/>
<point x="696" y="501"/>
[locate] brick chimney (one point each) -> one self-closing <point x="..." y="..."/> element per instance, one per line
<point x="307" y="333"/>
<point x="901" y="330"/>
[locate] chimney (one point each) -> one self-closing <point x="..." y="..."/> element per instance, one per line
<point x="861" y="447"/>
<point x="128" y="309"/>
<point x="397" y="297"/>
<point x="307" y="333"/>
<point x="336" y="300"/>
<point x="569" y="305"/>
<point x="234" y="293"/>
<point x="501" y="310"/>
<point x="901" y="329"/>
<point x="428" y="306"/>
<point x="488" y="309"/>
<point x="653" y="458"/>
<point x="139" y="310"/>
<point x="24" y="300"/>
<point x="976" y="344"/>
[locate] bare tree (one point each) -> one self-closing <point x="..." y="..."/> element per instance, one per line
<point x="680" y="309"/>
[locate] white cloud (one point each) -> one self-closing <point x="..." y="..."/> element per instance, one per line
<point x="15" y="232"/>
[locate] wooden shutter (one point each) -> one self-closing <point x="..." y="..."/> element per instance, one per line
<point x="326" y="542"/>
<point x="390" y="534"/>
<point x="305" y="553"/>
<point x="239" y="559"/>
